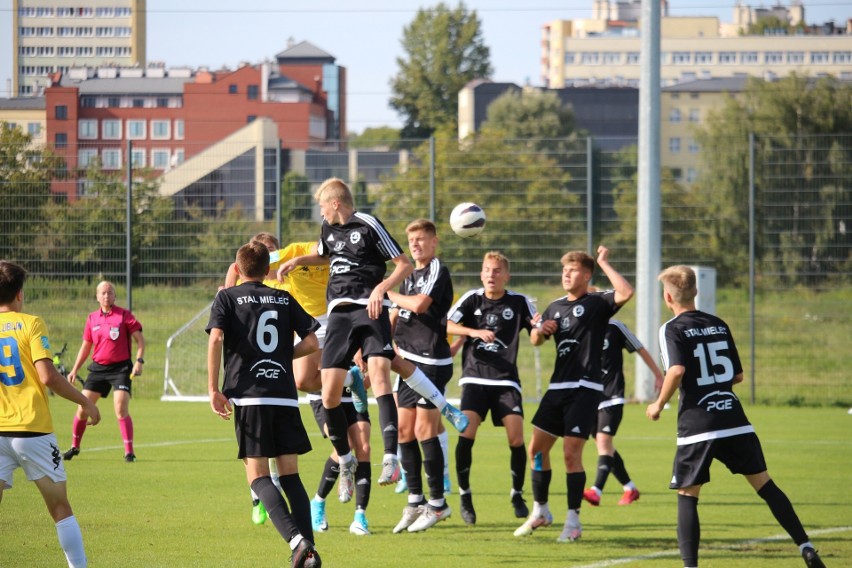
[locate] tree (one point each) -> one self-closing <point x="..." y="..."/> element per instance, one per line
<point x="26" y="172"/>
<point x="385" y="137"/>
<point x="445" y="50"/>
<point x="773" y="25"/>
<point x="802" y="178"/>
<point x="531" y="114"/>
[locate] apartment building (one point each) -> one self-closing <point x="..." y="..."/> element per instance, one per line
<point x="26" y="114"/>
<point x="606" y="48"/>
<point x="56" y="35"/>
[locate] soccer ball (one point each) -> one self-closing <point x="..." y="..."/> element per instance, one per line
<point x="467" y="219"/>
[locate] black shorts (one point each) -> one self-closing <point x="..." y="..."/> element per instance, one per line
<point x="501" y="401"/>
<point x="568" y="412"/>
<point x="741" y="454"/>
<point x="267" y="431"/>
<point x="350" y="329"/>
<point x="609" y="419"/>
<point x="352" y="415"/>
<point x="440" y="376"/>
<point x="102" y="378"/>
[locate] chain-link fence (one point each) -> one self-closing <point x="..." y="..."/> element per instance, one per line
<point x="775" y="224"/>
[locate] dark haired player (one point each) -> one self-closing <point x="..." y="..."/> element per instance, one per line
<point x="254" y="325"/>
<point x="701" y="359"/>
<point x="491" y="319"/>
<point x="577" y="322"/>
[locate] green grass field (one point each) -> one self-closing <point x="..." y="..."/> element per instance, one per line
<point x="186" y="503"/>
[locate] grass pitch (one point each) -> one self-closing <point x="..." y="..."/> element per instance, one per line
<point x="186" y="502"/>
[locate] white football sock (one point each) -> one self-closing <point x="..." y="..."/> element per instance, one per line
<point x="71" y="541"/>
<point x="420" y="383"/>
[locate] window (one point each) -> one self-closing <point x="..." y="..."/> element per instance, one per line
<point x="162" y="102"/>
<point x="113" y="102"/>
<point x="251" y="118"/>
<point x="773" y="57"/>
<point x="590" y="58"/>
<point x="88" y="101"/>
<point x="178" y="129"/>
<point x="84" y="51"/>
<point x="633" y="58"/>
<point x="178" y="157"/>
<point x="111" y="158"/>
<point x="136" y="129"/>
<point x="138" y="103"/>
<point x="60" y="140"/>
<point x="232" y="89"/>
<point x="674" y="115"/>
<point x="819" y="57"/>
<point x="693" y="146"/>
<point x="748" y="57"/>
<point x="137" y="157"/>
<point x="843" y="56"/>
<point x="674" y="145"/>
<point x="61" y="112"/>
<point x="691" y="175"/>
<point x="569" y="58"/>
<point x="111" y="129"/>
<point x="34" y="129"/>
<point x="611" y="58"/>
<point x="727" y="57"/>
<point x="694" y="115"/>
<point x="160" y="159"/>
<point x="85" y="157"/>
<point x="160" y="129"/>
<point x="703" y="57"/>
<point x="87" y="129"/>
<point x="252" y="92"/>
<point x="795" y="57"/>
<point x="681" y="58"/>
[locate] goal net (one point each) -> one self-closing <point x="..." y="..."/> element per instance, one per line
<point x="186" y="361"/>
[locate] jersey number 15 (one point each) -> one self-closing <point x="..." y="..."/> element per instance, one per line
<point x="722" y="369"/>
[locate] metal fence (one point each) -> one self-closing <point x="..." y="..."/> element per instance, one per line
<point x="772" y="224"/>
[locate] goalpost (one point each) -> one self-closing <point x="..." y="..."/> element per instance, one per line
<point x="186" y="361"/>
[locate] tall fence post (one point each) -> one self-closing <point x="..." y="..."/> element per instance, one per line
<point x="751" y="262"/>
<point x="128" y="241"/>
<point x="590" y="193"/>
<point x="278" y="175"/>
<point x="432" y="211"/>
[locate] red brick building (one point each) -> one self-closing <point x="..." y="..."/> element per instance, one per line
<point x="169" y="116"/>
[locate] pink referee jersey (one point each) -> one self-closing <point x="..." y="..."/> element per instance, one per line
<point x="110" y="334"/>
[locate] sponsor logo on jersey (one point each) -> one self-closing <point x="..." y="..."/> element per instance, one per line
<point x="330" y="238"/>
<point x="718" y="401"/>
<point x="578" y="311"/>
<point x="268" y="369"/>
<point x="355" y="238"/>
<point x="564" y="347"/>
<point x="491" y="320"/>
<point x="45" y="342"/>
<point x="421" y="282"/>
<point x="508" y="314"/>
<point x="565" y="323"/>
<point x="113" y="333"/>
<point x="338" y="246"/>
<point x="492" y="347"/>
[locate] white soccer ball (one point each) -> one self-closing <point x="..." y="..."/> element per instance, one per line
<point x="467" y="219"/>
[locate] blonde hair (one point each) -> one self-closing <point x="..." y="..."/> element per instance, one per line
<point x="498" y="256"/>
<point x="579" y="257"/>
<point x="334" y="188"/>
<point x="679" y="281"/>
<point x="424" y="225"/>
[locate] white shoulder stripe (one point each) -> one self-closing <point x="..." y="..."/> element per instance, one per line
<point x="664" y="348"/>
<point x="466" y="295"/>
<point x="386" y="243"/>
<point x="631" y="339"/>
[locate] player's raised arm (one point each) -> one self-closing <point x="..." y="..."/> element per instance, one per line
<point x="623" y="289"/>
<point x="289" y="266"/>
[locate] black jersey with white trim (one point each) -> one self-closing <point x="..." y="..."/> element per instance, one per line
<point x="358" y="251"/>
<point x="258" y="323"/>
<point x="703" y="344"/>
<point x="423" y="337"/>
<point x="492" y="364"/>
<point x="580" y="328"/>
<point x="617" y="338"/>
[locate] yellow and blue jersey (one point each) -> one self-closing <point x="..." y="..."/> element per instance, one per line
<point x="306" y="283"/>
<point x="23" y="398"/>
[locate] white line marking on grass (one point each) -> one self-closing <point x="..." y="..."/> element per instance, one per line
<point x="665" y="553"/>
<point x="160" y="444"/>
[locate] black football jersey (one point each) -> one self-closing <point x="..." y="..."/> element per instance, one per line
<point x="708" y="408"/>
<point x="492" y="364"/>
<point x="617" y="338"/>
<point x="580" y="328"/>
<point x="358" y="253"/>
<point x="423" y="337"/>
<point x="259" y="322"/>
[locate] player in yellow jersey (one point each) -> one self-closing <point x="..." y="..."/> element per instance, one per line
<point x="26" y="427"/>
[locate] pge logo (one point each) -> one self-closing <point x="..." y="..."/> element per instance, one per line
<point x="564" y="347"/>
<point x="268" y="369"/>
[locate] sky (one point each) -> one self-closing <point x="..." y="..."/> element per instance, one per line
<point x="364" y="36"/>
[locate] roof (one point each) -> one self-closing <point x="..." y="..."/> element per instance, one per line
<point x="305" y="51"/>
<point x="717" y="84"/>
<point x="284" y="83"/>
<point x="127" y="85"/>
<point x="23" y="103"/>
